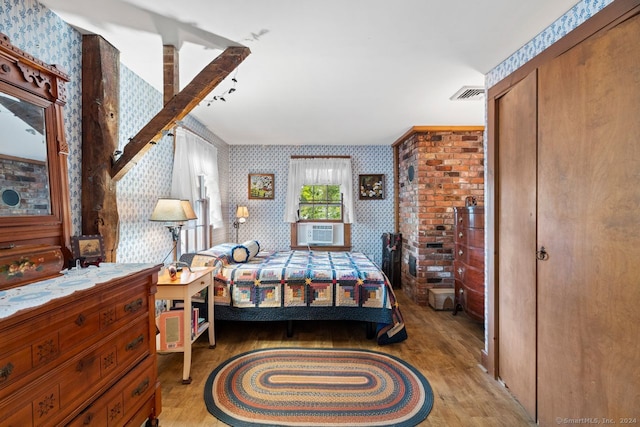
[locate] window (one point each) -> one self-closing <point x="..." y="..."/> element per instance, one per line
<point x="320" y="203"/>
<point x="328" y="171"/>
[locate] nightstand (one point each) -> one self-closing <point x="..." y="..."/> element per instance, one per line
<point x="186" y="284"/>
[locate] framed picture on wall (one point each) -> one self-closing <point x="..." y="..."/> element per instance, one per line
<point x="261" y="185"/>
<point x="371" y="187"/>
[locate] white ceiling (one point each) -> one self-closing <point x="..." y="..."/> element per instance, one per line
<point x="323" y="72"/>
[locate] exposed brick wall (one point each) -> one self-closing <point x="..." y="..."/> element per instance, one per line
<point x="29" y="179"/>
<point x="449" y="167"/>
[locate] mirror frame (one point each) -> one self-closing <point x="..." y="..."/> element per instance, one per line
<point x="27" y="78"/>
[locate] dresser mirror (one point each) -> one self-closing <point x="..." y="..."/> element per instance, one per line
<point x="34" y="189"/>
<point x="23" y="159"/>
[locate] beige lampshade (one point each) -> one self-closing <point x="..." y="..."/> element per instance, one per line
<point x="173" y="210"/>
<point x="242" y="212"/>
<point x="188" y="209"/>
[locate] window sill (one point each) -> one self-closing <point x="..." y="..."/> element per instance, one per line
<point x="321" y="248"/>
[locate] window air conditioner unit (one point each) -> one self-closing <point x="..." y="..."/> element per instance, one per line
<point x="320" y="234"/>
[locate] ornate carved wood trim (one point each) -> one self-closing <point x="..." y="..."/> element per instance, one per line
<point x="26" y="72"/>
<point x="32" y="80"/>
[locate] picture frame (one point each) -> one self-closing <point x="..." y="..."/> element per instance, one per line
<point x="261" y="186"/>
<point x="371" y="187"/>
<point x="88" y="248"/>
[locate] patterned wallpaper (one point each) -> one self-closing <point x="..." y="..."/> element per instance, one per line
<point x="35" y="29"/>
<point x="149" y="179"/>
<point x="266" y="217"/>
<point x="140" y="239"/>
<point x="39" y="32"/>
<point x="579" y="13"/>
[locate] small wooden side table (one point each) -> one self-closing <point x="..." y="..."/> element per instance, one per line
<point x="186" y="284"/>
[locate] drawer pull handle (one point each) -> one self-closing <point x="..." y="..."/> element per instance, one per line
<point x="460" y="252"/>
<point x="88" y="419"/>
<point x="460" y="235"/>
<point x="133" y="306"/>
<point x="84" y="362"/>
<point x="80" y="319"/>
<point x="142" y="387"/>
<point x="135" y="343"/>
<point x="460" y="270"/>
<point x="5" y="371"/>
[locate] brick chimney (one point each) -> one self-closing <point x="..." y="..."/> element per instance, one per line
<point x="446" y="165"/>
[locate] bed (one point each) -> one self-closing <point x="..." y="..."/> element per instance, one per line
<point x="254" y="285"/>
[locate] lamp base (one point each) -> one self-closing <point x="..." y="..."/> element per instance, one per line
<point x="175" y="229"/>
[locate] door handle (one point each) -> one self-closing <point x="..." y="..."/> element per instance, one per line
<point x="542" y="254"/>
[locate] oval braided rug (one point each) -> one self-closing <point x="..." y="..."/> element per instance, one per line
<point x="317" y="387"/>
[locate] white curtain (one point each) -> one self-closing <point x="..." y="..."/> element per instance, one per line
<point x="195" y="157"/>
<point x="323" y="171"/>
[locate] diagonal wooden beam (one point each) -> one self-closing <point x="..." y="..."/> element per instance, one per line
<point x="178" y="107"/>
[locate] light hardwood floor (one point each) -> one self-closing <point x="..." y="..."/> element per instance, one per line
<point x="445" y="348"/>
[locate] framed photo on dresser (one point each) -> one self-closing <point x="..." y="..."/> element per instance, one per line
<point x="89" y="248"/>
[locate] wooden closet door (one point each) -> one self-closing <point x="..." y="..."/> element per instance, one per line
<point x="516" y="214"/>
<point x="589" y="223"/>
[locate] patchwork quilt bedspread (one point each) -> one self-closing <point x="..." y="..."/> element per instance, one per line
<point x="305" y="285"/>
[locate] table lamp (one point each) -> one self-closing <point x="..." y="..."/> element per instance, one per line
<point x="242" y="213"/>
<point x="174" y="212"/>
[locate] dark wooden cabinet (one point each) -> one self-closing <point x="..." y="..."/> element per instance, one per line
<point x="88" y="358"/>
<point x="392" y="258"/>
<point x="469" y="261"/>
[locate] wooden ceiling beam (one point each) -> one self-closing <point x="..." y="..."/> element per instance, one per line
<point x="170" y="72"/>
<point x="178" y="108"/>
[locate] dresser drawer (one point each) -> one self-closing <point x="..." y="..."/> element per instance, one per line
<point x="470" y="237"/>
<point x="61" y="357"/>
<point x="469" y="260"/>
<point x="470" y="255"/>
<point x="77" y="328"/>
<point x="103" y="318"/>
<point x="134" y="343"/>
<point x="472" y="217"/>
<point x="19" y="417"/>
<point x="54" y="396"/>
<point x="22" y="361"/>
<point x="122" y="401"/>
<point x="474" y="303"/>
<point x="105" y="362"/>
<point x="471" y="277"/>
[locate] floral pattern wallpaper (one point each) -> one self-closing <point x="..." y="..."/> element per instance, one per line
<point x="579" y="13"/>
<point x="38" y="31"/>
<point x="266" y="217"/>
<point x="35" y="29"/>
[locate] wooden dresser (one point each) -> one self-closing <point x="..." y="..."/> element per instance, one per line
<point x="469" y="261"/>
<point x="86" y="359"/>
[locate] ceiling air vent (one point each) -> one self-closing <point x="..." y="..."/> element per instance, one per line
<point x="468" y="93"/>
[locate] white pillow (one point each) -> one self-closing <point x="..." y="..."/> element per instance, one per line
<point x="246" y="251"/>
